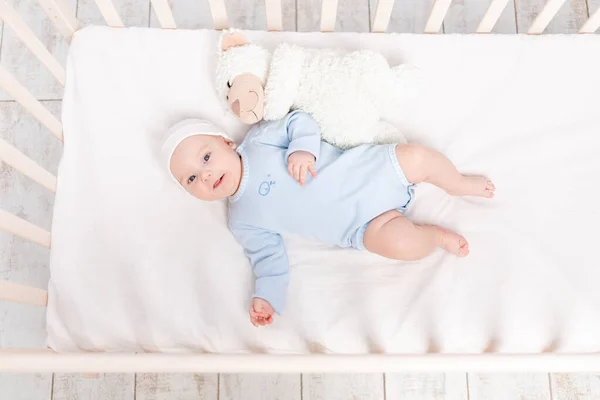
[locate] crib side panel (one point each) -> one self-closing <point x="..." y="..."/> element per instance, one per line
<point x="23" y="262"/>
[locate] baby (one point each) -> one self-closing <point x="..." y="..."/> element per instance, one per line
<point x="284" y="179"/>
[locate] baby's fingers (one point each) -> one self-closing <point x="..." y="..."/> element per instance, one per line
<point x="302" y="175"/>
<point x="313" y="171"/>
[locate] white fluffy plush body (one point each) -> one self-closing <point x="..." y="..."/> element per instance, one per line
<point x="347" y="93"/>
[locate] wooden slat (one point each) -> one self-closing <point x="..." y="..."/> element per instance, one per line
<point x="180" y="387"/>
<point x="164" y="13"/>
<point x="509" y="386"/>
<point x="383" y="12"/>
<point x="24" y="229"/>
<point x="426" y="386"/>
<point x="61" y="16"/>
<point x="16" y="293"/>
<point x="85" y="387"/>
<point x="219" y="14"/>
<point x="259" y="386"/>
<point x="12" y="19"/>
<point x="491" y="16"/>
<point x="274" y="15"/>
<point x="436" y="17"/>
<point x="342" y="387"/>
<point x="26" y="165"/>
<point x="592" y="24"/>
<point x="110" y="14"/>
<point x="545" y="16"/>
<point x="328" y="15"/>
<point x="27" y="100"/>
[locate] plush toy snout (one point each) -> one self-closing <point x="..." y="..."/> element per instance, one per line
<point x="246" y="98"/>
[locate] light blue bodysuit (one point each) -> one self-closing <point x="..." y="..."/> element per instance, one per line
<point x="352" y="187"/>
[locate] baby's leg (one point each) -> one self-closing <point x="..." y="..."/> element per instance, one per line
<point x="421" y="164"/>
<point x="393" y="236"/>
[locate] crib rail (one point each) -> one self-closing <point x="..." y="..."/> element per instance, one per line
<point x="24" y="229"/>
<point x="24" y="360"/>
<point x="29" y="102"/>
<point x="26" y="166"/>
<point x="61" y="15"/>
<point x="22" y="294"/>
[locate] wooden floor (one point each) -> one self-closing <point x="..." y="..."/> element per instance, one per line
<point x="23" y="326"/>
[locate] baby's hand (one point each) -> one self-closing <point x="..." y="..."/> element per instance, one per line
<point x="299" y="163"/>
<point x="261" y="312"/>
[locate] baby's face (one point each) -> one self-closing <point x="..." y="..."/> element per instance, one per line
<point x="207" y="166"/>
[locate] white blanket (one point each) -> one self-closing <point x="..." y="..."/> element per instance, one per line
<point x="136" y="264"/>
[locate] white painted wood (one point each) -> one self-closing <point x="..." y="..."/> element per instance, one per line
<point x="570" y="17"/>
<point x="352" y="16"/>
<point x="509" y="386"/>
<point x="592" y="24"/>
<point x="575" y="386"/>
<point x="257" y="387"/>
<point x="491" y="16"/>
<point x="19" y="61"/>
<point x="436" y="17"/>
<point x="42" y="360"/>
<point x="10" y="85"/>
<point x="130" y="12"/>
<point x="545" y="16"/>
<point x="24" y="229"/>
<point x="274" y="15"/>
<point x="407" y="15"/>
<point x="383" y="12"/>
<point x="162" y="9"/>
<point x="468" y="16"/>
<point x="341" y="387"/>
<point x="219" y="14"/>
<point x="19" y="161"/>
<point x="14" y="292"/>
<point x="110" y="14"/>
<point x="25" y="386"/>
<point x="14" y="21"/>
<point x="62" y="15"/>
<point x="328" y="15"/>
<point x="106" y="387"/>
<point x="177" y="386"/>
<point x="23" y="262"/>
<point x="452" y="386"/>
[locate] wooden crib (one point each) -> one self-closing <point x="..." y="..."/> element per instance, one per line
<point x="19" y="360"/>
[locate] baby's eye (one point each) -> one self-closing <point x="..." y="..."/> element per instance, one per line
<point x="191" y="179"/>
<point x="207" y="157"/>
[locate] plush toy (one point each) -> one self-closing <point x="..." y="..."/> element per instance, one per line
<point x="347" y="93"/>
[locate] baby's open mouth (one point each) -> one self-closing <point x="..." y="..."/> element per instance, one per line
<point x="218" y="182"/>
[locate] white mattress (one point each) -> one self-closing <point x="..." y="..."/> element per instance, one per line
<point x="137" y="265"/>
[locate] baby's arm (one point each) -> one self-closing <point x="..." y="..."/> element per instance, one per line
<point x="304" y="146"/>
<point x="268" y="257"/>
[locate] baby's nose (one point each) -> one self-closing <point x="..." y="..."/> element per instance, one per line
<point x="205" y="175"/>
<point x="235" y="107"/>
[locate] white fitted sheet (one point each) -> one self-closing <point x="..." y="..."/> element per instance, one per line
<point x="138" y="265"/>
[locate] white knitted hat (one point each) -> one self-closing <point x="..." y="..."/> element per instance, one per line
<point x="182" y="130"/>
<point x="245" y="59"/>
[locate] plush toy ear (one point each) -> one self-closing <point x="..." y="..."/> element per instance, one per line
<point x="232" y="40"/>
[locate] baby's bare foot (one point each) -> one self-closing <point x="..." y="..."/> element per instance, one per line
<point x="479" y="186"/>
<point x="454" y="243"/>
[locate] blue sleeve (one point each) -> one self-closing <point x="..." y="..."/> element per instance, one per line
<point x="303" y="134"/>
<point x="297" y="131"/>
<point x="268" y="257"/>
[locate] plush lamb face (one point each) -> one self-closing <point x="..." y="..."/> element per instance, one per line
<point x="242" y="71"/>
